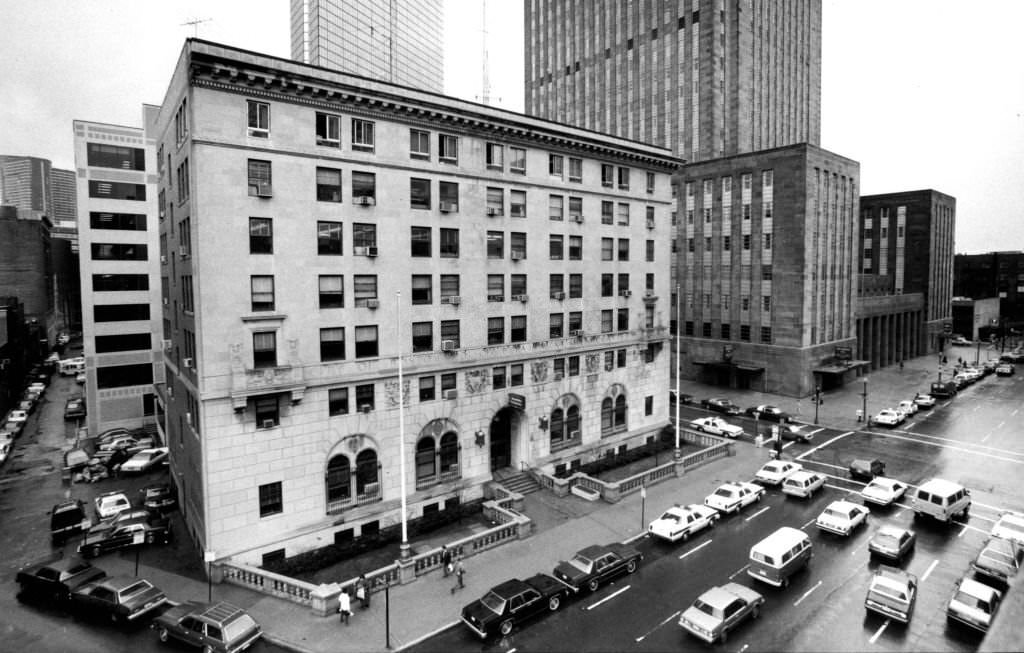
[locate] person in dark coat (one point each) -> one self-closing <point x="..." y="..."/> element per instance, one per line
<point x="363" y="591"/>
<point x="446" y="559"/>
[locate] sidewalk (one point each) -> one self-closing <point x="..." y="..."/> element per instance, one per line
<point x="562" y="526"/>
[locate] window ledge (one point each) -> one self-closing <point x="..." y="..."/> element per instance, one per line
<point x="264" y="317"/>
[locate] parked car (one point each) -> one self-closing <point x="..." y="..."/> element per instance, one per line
<point x="908" y="407"/>
<point x="796" y="433"/>
<point x="119" y="598"/>
<point x="5" y="449"/>
<point x="842" y="517"/>
<point x="892" y="542"/>
<point x="776" y="471"/>
<point x="1005" y="369"/>
<point x="511" y="603"/>
<point x="888" y="417"/>
<point x="27" y="405"/>
<point x="733" y="496"/>
<point x="803" y="483"/>
<point x="1010" y="526"/>
<point x="111" y="434"/>
<point x="128" y="443"/>
<point x="960" y="341"/>
<point x="596" y="564"/>
<point x="716" y="426"/>
<point x="720" y="405"/>
<point x="973" y="604"/>
<point x="80" y="378"/>
<point x="719" y="610"/>
<point x="119" y="518"/>
<point x="999" y="560"/>
<point x="768" y="413"/>
<point x="684" y="398"/>
<point x="147" y="530"/>
<point x="892" y="593"/>
<point x="158" y="497"/>
<point x="67" y="519"/>
<point x="883" y="491"/>
<point x="924" y="400"/>
<point x="109" y="504"/>
<point x="216" y="627"/>
<point x="74" y="408"/>
<point x="144" y="460"/>
<point x="53" y="580"/>
<point x="865" y="469"/>
<point x="37" y="387"/>
<point x="17" y="417"/>
<point x="13" y="430"/>
<point x="679" y="523"/>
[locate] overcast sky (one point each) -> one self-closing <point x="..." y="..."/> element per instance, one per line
<point x="923" y="93"/>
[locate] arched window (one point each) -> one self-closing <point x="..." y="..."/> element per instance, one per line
<point x="607" y="416"/>
<point x="366" y="472"/>
<point x="620" y="413"/>
<point x="557" y="426"/>
<point x="426" y="469"/>
<point x="339" y="479"/>
<point x="572" y="423"/>
<point x="450" y="453"/>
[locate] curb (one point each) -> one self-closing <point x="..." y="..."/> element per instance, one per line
<point x="283" y="643"/>
<point x="426" y="636"/>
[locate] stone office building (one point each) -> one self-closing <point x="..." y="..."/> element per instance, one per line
<point x="320" y="229"/>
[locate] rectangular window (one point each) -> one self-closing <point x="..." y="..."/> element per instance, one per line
<point x="366" y="342"/>
<point x="419" y="193"/>
<point x="607" y="212"/>
<point x="623" y="282"/>
<point x="448" y="195"/>
<point x="365" y="399"/>
<point x="119" y="282"/>
<point x="498" y="379"/>
<point x="447" y="148"/>
<point x="517" y="285"/>
<point x="328" y="185"/>
<point x="555" y="163"/>
<point x="495" y="330"/>
<point x="623" y="319"/>
<point x="575" y="248"/>
<point x="495" y="201"/>
<point x="575" y="169"/>
<point x="420" y="244"/>
<point x="726" y="243"/>
<point x="495" y="156"/>
<point x="364" y="287"/>
<point x="766" y="303"/>
<point x="558" y="368"/>
<point x="268" y="412"/>
<point x="766" y="335"/>
<point x="449" y="285"/>
<point x="332" y="344"/>
<point x="260" y="179"/>
<point x="419" y="144"/>
<point x="124" y="342"/>
<point x="555" y="324"/>
<point x="555" y="207"/>
<point x="555" y="247"/>
<point x="767" y="241"/>
<point x="364" y="188"/>
<point x="100" y="155"/>
<point x="422" y="336"/>
<point x="271" y="500"/>
<point x="518" y="244"/>
<point x="337" y="401"/>
<point x="120" y="312"/>
<point x="620" y="358"/>
<point x="449" y="243"/>
<point x="746" y="241"/>
<point x="259" y="119"/>
<point x="517" y="160"/>
<point x="262" y="292"/>
<point x="623" y="213"/>
<point x="607" y="321"/>
<point x="745" y="332"/>
<point x="332" y="291"/>
<point x="517" y="330"/>
<point x="264" y="349"/>
<point x="623" y="178"/>
<point x="328" y="130"/>
<point x="650" y="250"/>
<point x="328" y="238"/>
<point x="556" y="286"/>
<point x="363" y="236"/>
<point x="575" y="286"/>
<point x="118" y="221"/>
<point x="623" y="249"/>
<point x="726" y="331"/>
<point x="517" y="203"/>
<point x="450" y="331"/>
<point x="428" y="388"/>
<point x="607" y="284"/>
<point x="121" y="376"/>
<point x="576" y="209"/>
<point x="607" y="249"/>
<point x="495" y="287"/>
<point x="362" y="135"/>
<point x="607" y="175"/>
<point x="422" y="289"/>
<point x="650" y="182"/>
<point x="448" y="382"/>
<point x="516" y="375"/>
<point x="574" y="366"/>
<point x="119" y="252"/>
<point x="261" y="236"/>
<point x="117" y="190"/>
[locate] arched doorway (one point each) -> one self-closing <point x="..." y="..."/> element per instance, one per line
<point x="503" y="425"/>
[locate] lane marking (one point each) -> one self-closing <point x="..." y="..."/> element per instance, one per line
<point x="745" y="647"/>
<point x="806" y="594"/>
<point x="809" y="523"/>
<point x="758" y="513"/>
<point x="695" y="549"/>
<point x="1014" y="413"/>
<point x="635" y="537"/>
<point x="607" y="598"/>
<point x="436" y="631"/>
<point x="824" y="444"/>
<point x="739" y="571"/>
<point x="986" y="437"/>
<point x="919" y="437"/>
<point x="816" y="431"/>
<point x="874" y="638"/>
<point x="963" y="530"/>
<point x="789" y="444"/>
<point x="1000" y="425"/>
<point x="930" y="568"/>
<point x="663" y="622"/>
<point x="974" y="451"/>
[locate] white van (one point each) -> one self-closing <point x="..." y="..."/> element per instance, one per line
<point x="780" y="555"/>
<point x="941" y="499"/>
<point x="72" y="366"/>
<point x="803" y="484"/>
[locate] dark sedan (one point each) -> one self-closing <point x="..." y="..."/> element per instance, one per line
<point x="146" y="530"/>
<point x="53" y="580"/>
<point x="118" y="598"/>
<point x="511" y="603"/>
<point x="158" y="497"/>
<point x="594" y="565"/>
<point x="769" y="413"/>
<point x="720" y="405"/>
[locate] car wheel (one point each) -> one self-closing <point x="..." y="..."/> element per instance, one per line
<point x="686" y="536"/>
<point x="631" y="566"/>
<point x="785" y="581"/>
<point x="506" y="627"/>
<point x="724" y="637"/>
<point x="755" y="612"/>
<point x="162" y="635"/>
<point x="592" y="585"/>
<point x="554" y="603"/>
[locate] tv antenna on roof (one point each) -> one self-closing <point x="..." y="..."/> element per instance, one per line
<point x="195" y="22"/>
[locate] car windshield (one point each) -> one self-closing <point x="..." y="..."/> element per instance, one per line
<point x="670" y="516"/>
<point x="970" y="601"/>
<point x="999" y="557"/>
<point x="581" y="562"/>
<point x="832" y="512"/>
<point x="78" y="568"/>
<point x="494" y="603"/>
<point x="891" y="592"/>
<point x="724" y="492"/>
<point x="877" y="486"/>
<point x="886" y="539"/>
<point x="238" y="628"/>
<point x="705" y="608"/>
<point x="135" y="588"/>
<point x="772" y="468"/>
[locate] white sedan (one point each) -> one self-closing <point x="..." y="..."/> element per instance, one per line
<point x="679" y="523"/>
<point x="924" y="401"/>
<point x="842" y="517"/>
<point x="883" y="491"/>
<point x="17" y="417"/>
<point x="776" y="471"/>
<point x="716" y="426"/>
<point x="908" y="407"/>
<point x="1011" y="527"/>
<point x="889" y="417"/>
<point x="732" y="496"/>
<point x="144" y="460"/>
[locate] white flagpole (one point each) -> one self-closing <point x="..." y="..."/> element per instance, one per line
<point x="404" y="547"/>
<point x="679" y="328"/>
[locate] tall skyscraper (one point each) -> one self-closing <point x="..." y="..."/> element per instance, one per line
<point x="25" y="183"/>
<point x="399" y="41"/>
<point x="707" y="78"/>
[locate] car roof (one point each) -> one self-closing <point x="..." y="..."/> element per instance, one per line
<point x="889" y="529"/>
<point x="1002" y="545"/>
<point x="222" y="612"/>
<point x="974" y="588"/>
<point x="803" y="473"/>
<point x="717" y="597"/>
<point x="1014" y="518"/>
<point x="842" y="503"/>
<point x="939" y="485"/>
<point x="509" y="588"/>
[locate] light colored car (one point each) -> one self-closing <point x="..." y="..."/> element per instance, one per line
<point x="973" y="604"/>
<point x="733" y="496"/>
<point x="798" y="433"/>
<point x="17" y="417"/>
<point x="924" y="400"/>
<point x="892" y="593"/>
<point x="679" y="523"/>
<point x="1010" y="526"/>
<point x="892" y="542"/>
<point x="5" y="450"/>
<point x="883" y="491"/>
<point x="842" y="517"/>
<point x="776" y="471"/>
<point x="888" y="417"/>
<point x="908" y="407"/>
<point x="129" y="443"/>
<point x="144" y="460"/>
<point x="716" y="426"/>
<point x="38" y="387"/>
<point x="803" y="483"/>
<point x="1005" y="369"/>
<point x="960" y="341"/>
<point x="80" y="378"/>
<point x="999" y="560"/>
<point x="719" y="610"/>
<point x="111" y="503"/>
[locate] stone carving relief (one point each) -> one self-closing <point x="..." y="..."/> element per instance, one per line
<point x="391" y="392"/>
<point x="593" y="363"/>
<point x="539" y="371"/>
<point x="477" y="381"/>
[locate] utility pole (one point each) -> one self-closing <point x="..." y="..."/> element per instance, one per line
<point x="195" y="22"/>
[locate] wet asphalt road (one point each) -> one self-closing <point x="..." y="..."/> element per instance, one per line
<point x="974" y="439"/>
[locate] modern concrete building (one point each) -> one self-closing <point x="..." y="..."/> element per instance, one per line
<point x="976" y="319"/>
<point x="25" y="182"/>
<point x="994" y="274"/>
<point x="524" y="293"/>
<point x="400" y="41"/>
<point x="764" y="265"/>
<point x="26" y="268"/>
<point x="905" y="255"/>
<point x="120" y="269"/>
<point x="65" y="206"/>
<point x="706" y="78"/>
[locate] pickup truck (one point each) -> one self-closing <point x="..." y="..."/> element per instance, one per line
<point x="55" y="579"/>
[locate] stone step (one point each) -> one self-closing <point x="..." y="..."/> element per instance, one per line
<point x="522" y="483"/>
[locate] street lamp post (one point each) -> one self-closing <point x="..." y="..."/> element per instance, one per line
<point x="865" y="396"/>
<point x="677" y="453"/>
<point x="817" y="402"/>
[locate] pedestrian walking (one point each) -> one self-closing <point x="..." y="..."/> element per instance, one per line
<point x="344" y="606"/>
<point x="446" y="559"/>
<point x="362" y="592"/>
<point x="460" y="571"/>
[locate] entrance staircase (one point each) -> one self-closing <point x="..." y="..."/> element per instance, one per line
<point x="520" y="482"/>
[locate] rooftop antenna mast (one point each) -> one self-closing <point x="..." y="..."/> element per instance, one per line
<point x="486" y="92"/>
<point x="195" y="22"/>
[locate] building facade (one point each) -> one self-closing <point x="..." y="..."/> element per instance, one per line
<point x="400" y="41"/>
<point x="120" y="272"/>
<point x="905" y="256"/>
<point x="765" y="250"/>
<point x="25" y="182"/>
<point x="994" y="274"/>
<point x="513" y="269"/>
<point x="26" y="268"/>
<point x="707" y="78"/>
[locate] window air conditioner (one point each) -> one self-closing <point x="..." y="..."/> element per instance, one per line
<point x="520" y="298"/>
<point x="371" y="252"/>
<point x="167" y="345"/>
<point x="183" y="251"/>
<point x="517" y="256"/>
<point x="372" y="303"/>
<point x="450" y="394"/>
<point x="559" y="295"/>
<point x="264" y="190"/>
<point x="187" y="362"/>
<point x="267" y="424"/>
<point x="491" y="211"/>
<point x="448" y="345"/>
<point x="451" y="299"/>
<point x="578" y="218"/>
<point x="166" y="301"/>
<point x="449" y="207"/>
<point x="365" y="200"/>
<point x="576" y="333"/>
<point x="648" y="293"/>
<point x="163" y="258"/>
<point x="365" y="408"/>
<point x="650" y="224"/>
<point x="558" y="376"/>
<point x="574" y="435"/>
<point x="625" y="293"/>
<point x="359" y="251"/>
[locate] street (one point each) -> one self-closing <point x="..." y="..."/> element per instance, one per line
<point x="970" y="440"/>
